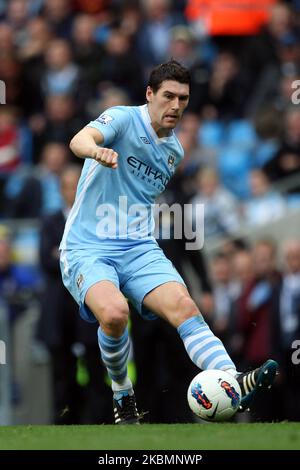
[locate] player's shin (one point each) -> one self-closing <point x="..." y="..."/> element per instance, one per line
<point x="114" y="353"/>
<point x="203" y="347"/>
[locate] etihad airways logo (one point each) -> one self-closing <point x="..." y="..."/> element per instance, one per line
<point x="146" y="172"/>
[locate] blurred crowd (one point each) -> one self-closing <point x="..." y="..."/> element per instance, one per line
<point x="63" y="63"/>
<point x="66" y="61"/>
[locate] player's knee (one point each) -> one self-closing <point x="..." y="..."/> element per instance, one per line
<point x="185" y="309"/>
<point x="115" y="318"/>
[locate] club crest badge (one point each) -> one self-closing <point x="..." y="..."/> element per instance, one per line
<point x="80" y="281"/>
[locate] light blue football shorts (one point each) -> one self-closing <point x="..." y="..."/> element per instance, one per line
<point x="135" y="268"/>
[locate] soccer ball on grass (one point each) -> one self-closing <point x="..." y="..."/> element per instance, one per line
<point x="214" y="395"/>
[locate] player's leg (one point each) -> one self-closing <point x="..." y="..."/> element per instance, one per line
<point x="93" y="282"/>
<point x="172" y="302"/>
<point x="154" y="286"/>
<point x="110" y="308"/>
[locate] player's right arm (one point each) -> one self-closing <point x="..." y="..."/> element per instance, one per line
<point x="86" y="144"/>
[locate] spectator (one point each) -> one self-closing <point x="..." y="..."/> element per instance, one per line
<point x="88" y="55"/>
<point x="57" y="124"/>
<point x="291" y="138"/>
<point x="10" y="157"/>
<point x="287" y="330"/>
<point x="220" y="208"/>
<point x="266" y="204"/>
<point x="18" y="285"/>
<point x="154" y="35"/>
<point x="37" y="39"/>
<point x="61" y="76"/>
<point x="6" y="40"/>
<point x="15" y="147"/>
<point x="254" y="318"/>
<point x="31" y="53"/>
<point x="188" y="137"/>
<point x="268" y="127"/>
<point x="17" y="15"/>
<point x="61" y="328"/>
<point x="36" y="194"/>
<point x="224" y="93"/>
<point x="59" y="15"/>
<point x="224" y="296"/>
<point x="284" y="164"/>
<point x="260" y="51"/>
<point x="120" y="67"/>
<point x="109" y="97"/>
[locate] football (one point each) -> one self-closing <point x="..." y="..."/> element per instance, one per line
<point x="214" y="395"/>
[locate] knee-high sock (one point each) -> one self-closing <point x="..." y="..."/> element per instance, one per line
<point x="203" y="347"/>
<point x="114" y="353"/>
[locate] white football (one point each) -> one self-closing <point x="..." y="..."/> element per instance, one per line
<point x="214" y="395"/>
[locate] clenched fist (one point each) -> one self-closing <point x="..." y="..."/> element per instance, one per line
<point x="106" y="157"/>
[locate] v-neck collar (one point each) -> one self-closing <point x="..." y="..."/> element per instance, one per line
<point x="147" y="121"/>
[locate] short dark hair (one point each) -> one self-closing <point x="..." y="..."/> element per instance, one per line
<point x="171" y="70"/>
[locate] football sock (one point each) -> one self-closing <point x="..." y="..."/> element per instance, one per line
<point x="114" y="353"/>
<point x="203" y="347"/>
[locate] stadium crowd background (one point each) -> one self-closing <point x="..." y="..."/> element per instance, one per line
<point x="64" y="62"/>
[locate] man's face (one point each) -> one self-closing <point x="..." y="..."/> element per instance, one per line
<point x="292" y="257"/>
<point x="167" y="104"/>
<point x="263" y="259"/>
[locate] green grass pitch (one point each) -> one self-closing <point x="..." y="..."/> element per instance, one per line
<point x="226" y="436"/>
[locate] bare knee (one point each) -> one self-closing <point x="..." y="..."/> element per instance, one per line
<point x="114" y="318"/>
<point x="185" y="309"/>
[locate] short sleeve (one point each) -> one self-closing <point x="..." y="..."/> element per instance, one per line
<point x="112" y="123"/>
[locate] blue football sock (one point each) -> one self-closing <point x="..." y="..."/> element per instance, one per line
<point x="114" y="353"/>
<point x="203" y="347"/>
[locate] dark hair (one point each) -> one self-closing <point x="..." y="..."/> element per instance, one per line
<point x="171" y="70"/>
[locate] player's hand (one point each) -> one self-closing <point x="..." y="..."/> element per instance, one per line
<point x="106" y="157"/>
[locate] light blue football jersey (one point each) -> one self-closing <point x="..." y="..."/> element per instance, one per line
<point x="118" y="204"/>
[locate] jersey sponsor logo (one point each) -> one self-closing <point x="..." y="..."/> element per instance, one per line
<point x="105" y="119"/>
<point x="145" y="140"/>
<point x="145" y="171"/>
